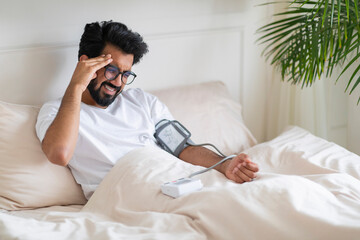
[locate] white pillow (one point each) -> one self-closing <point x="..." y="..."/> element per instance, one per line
<point x="210" y="114"/>
<point x="27" y="179"/>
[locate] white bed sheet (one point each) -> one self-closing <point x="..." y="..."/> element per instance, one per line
<point x="38" y="213"/>
<point x="307" y="188"/>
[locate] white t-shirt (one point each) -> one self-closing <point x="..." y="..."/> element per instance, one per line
<point x="105" y="135"/>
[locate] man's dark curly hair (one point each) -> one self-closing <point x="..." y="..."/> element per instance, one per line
<point x="96" y="35"/>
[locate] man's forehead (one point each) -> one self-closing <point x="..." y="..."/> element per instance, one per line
<point x="113" y="49"/>
<point x="122" y="60"/>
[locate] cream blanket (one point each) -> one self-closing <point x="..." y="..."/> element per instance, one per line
<point x="307" y="188"/>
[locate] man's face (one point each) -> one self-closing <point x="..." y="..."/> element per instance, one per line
<point x="104" y="91"/>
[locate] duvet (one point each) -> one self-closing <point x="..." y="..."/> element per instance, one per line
<point x="307" y="188"/>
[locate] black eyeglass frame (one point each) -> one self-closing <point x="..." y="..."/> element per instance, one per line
<point x="122" y="74"/>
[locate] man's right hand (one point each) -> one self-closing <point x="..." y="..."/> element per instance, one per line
<point x="86" y="70"/>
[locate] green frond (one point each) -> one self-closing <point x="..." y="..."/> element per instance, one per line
<point x="312" y="38"/>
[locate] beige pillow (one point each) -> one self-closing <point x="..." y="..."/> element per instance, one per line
<point x="27" y="179"/>
<point x="210" y="114"/>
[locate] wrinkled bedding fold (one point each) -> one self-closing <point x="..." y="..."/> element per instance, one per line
<point x="307" y="188"/>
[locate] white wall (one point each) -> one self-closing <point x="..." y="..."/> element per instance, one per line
<point x="353" y="133"/>
<point x="344" y="114"/>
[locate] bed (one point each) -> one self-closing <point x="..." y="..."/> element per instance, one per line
<point x="307" y="187"/>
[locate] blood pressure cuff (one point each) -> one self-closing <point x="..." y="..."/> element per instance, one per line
<point x="172" y="136"/>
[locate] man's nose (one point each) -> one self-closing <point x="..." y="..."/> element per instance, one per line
<point x="117" y="81"/>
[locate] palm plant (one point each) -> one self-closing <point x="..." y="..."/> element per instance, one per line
<point x="312" y="38"/>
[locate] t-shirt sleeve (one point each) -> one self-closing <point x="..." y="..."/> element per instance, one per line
<point x="46" y="116"/>
<point x="158" y="109"/>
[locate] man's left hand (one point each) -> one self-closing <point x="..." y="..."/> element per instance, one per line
<point x="240" y="169"/>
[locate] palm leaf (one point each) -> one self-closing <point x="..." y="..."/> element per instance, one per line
<point x="313" y="38"/>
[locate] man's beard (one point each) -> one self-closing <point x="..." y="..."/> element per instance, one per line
<point x="107" y="99"/>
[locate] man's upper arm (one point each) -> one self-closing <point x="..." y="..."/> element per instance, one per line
<point x="45" y="117"/>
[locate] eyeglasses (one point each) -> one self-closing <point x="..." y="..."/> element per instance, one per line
<point x="112" y="72"/>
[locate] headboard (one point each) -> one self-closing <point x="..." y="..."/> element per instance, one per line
<point x="36" y="74"/>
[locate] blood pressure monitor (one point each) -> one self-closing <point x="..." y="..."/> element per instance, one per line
<point x="172" y="136"/>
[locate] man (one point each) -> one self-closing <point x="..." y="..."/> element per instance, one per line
<point x="97" y="122"/>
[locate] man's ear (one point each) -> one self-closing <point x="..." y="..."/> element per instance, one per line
<point x="83" y="57"/>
